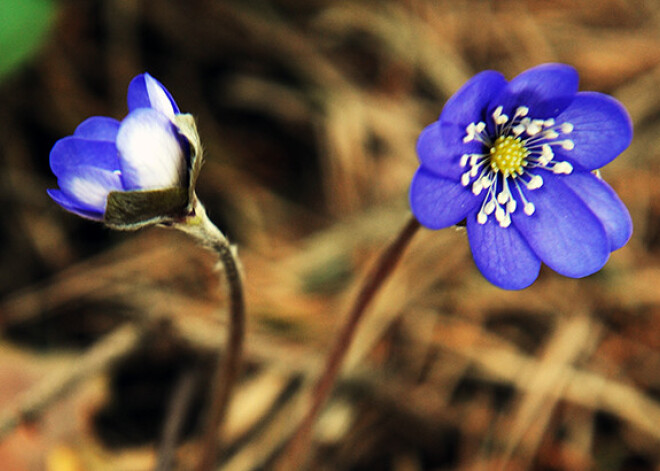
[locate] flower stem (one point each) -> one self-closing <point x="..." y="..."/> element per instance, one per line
<point x="208" y="235"/>
<point x="297" y="452"/>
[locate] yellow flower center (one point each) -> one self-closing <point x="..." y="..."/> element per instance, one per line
<point x="508" y="156"/>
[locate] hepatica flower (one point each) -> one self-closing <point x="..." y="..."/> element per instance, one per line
<point x="518" y="162"/>
<point x="131" y="173"/>
<point x="142" y="171"/>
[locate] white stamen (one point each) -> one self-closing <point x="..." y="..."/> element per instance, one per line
<point x="535" y="182"/>
<point x="518" y="129"/>
<point x="529" y="208"/>
<point x="521" y="111"/>
<point x="563" y="167"/>
<point x="499" y="214"/>
<point x="481" y="217"/>
<point x="546" y="155"/>
<point x="511" y="206"/>
<point x="464" y="159"/>
<point x="533" y="128"/>
<point x="539" y="137"/>
<point x="469" y="133"/>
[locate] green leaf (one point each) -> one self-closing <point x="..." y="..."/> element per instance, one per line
<point x="24" y="25"/>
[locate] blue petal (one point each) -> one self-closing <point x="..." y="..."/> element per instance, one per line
<point x="144" y="91"/>
<point x="605" y="204"/>
<point x="437" y="202"/>
<point x="87" y="187"/>
<point x="151" y="153"/>
<point x="602" y="129"/>
<point x="441" y="155"/>
<point x="98" y="128"/>
<point x="468" y="105"/>
<point x="501" y="254"/>
<point x="71" y="152"/>
<point x="546" y="90"/>
<point x="73" y="206"/>
<point x="563" y="232"/>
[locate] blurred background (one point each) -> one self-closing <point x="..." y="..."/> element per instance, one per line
<point x="309" y="112"/>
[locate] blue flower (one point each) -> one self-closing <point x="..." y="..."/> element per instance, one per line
<point x="517" y="161"/>
<point x="145" y="151"/>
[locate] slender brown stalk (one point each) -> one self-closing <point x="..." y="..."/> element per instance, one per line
<point x="179" y="404"/>
<point x="297" y="453"/>
<point x="228" y="368"/>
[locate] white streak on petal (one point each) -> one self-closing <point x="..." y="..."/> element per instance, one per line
<point x="91" y="192"/>
<point x="91" y="186"/>
<point x="151" y="156"/>
<point x="157" y="96"/>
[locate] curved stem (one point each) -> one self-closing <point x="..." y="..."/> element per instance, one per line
<point x="208" y="235"/>
<point x="297" y="452"/>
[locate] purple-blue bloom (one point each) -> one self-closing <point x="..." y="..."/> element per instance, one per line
<point x="517" y="161"/>
<point x="145" y="151"/>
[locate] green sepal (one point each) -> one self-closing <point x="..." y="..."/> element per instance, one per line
<point x="132" y="210"/>
<point x="188" y="129"/>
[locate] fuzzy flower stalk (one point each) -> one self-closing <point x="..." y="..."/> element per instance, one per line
<point x="517" y="162"/>
<point x="142" y="171"/>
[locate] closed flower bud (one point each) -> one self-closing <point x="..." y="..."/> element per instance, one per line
<point x="132" y="173"/>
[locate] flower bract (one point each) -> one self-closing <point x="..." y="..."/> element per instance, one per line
<point x="517" y="161"/>
<point x="132" y="172"/>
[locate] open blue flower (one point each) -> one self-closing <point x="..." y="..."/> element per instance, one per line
<point x="516" y="160"/>
<point x="145" y="151"/>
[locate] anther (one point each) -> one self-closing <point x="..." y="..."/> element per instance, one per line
<point x="464" y="159"/>
<point x="499" y="214"/>
<point x="563" y="167"/>
<point x="535" y="182"/>
<point x="481" y="217"/>
<point x="521" y="111"/>
<point x="511" y="205"/>
<point x="529" y="208"/>
<point x="518" y="129"/>
<point x="533" y="128"/>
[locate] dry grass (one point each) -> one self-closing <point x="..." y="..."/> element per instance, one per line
<point x="309" y="113"/>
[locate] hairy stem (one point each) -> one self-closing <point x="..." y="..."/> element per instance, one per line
<point x="208" y="235"/>
<point x="297" y="452"/>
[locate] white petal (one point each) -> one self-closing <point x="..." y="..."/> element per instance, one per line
<point x="150" y="153"/>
